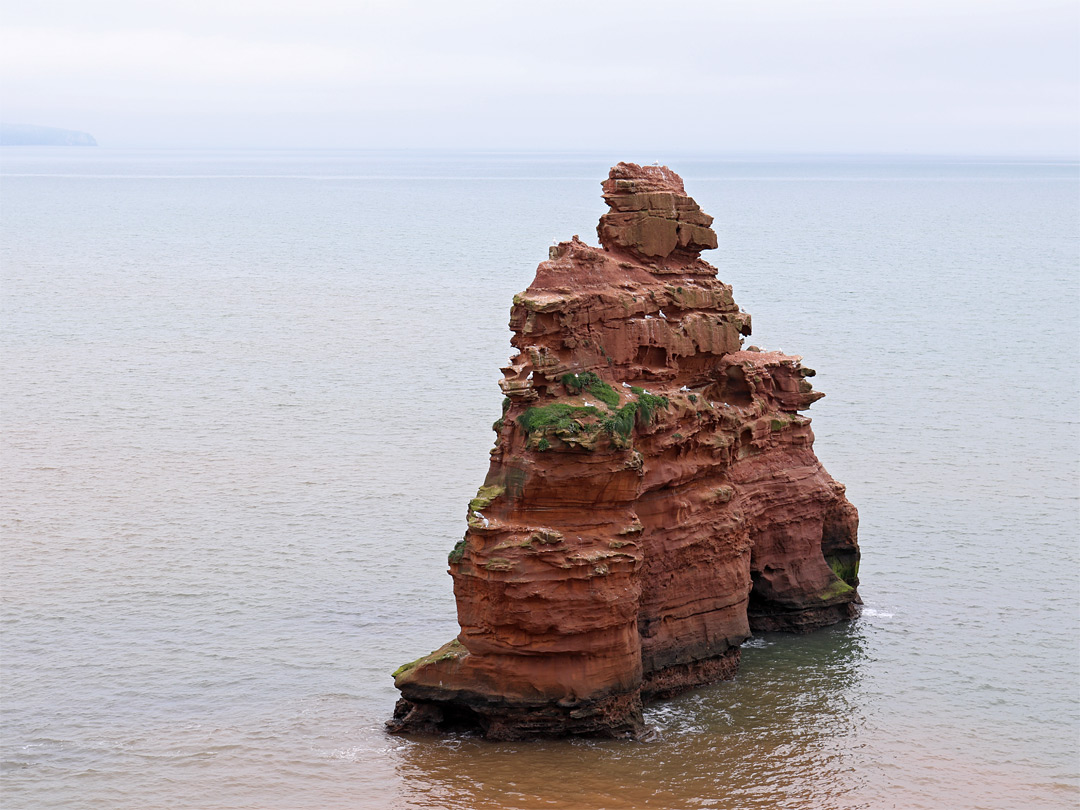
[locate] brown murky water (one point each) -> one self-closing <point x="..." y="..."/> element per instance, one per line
<point x="247" y="398"/>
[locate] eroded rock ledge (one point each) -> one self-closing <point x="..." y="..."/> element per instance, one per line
<point x="653" y="493"/>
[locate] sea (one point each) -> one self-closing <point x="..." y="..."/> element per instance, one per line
<point x="247" y="396"/>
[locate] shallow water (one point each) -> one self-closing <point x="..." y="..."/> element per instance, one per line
<point x="248" y="395"/>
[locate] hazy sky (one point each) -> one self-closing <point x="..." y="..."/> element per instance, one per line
<point x="930" y="76"/>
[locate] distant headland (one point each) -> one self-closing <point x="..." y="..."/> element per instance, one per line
<point x="31" y="135"/>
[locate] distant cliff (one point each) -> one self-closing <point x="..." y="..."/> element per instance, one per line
<point x="30" y="135"/>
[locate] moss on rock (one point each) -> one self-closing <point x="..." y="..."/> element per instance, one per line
<point x="484" y="498"/>
<point x="453" y="649"/>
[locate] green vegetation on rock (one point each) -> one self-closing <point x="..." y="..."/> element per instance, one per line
<point x="648" y="405"/>
<point x="591" y="382"/>
<point x="621" y="423"/>
<point x="557" y="415"/>
<point x="457" y="552"/>
<point x="848" y="572"/>
<point x="454" y="649"/>
<point x="484" y="497"/>
<point x="568" y="421"/>
<point x="835" y="589"/>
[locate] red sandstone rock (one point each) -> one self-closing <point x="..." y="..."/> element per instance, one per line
<point x="653" y="494"/>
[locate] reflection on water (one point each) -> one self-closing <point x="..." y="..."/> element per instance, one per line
<point x="798" y="728"/>
<point x="777" y="736"/>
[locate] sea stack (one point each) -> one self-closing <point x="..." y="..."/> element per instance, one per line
<point x="653" y="495"/>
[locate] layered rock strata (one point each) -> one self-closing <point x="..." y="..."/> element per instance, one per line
<point x="653" y="494"/>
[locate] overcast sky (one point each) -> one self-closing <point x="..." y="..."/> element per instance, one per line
<point x="917" y="76"/>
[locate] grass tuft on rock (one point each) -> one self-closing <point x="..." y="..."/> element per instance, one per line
<point x="648" y="404"/>
<point x="591" y="382"/>
<point x="557" y="415"/>
<point x="622" y="421"/>
<point x="457" y="552"/>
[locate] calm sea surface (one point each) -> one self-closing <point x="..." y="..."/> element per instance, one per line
<point x="247" y="396"/>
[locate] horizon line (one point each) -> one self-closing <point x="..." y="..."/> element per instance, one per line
<point x="717" y="154"/>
